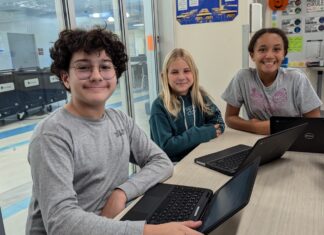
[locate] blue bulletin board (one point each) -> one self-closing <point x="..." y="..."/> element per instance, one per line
<point x="206" y="11"/>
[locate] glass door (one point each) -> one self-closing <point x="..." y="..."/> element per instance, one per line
<point x="103" y="13"/>
<point x="140" y="38"/>
<point x="132" y="20"/>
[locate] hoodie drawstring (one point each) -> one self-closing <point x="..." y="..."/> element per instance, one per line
<point x="184" y="114"/>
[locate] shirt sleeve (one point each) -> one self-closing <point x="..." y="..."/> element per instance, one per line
<point x="306" y="97"/>
<point x="176" y="145"/>
<point x="233" y="93"/>
<point x="52" y="173"/>
<point x="154" y="163"/>
<point x="215" y="117"/>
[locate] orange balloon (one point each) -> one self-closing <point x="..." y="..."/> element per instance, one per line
<point x="278" y="5"/>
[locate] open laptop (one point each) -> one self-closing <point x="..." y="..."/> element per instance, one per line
<point x="213" y="209"/>
<point x="2" y="231"/>
<point x="269" y="148"/>
<point x="311" y="139"/>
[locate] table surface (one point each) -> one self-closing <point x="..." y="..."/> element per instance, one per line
<point x="288" y="195"/>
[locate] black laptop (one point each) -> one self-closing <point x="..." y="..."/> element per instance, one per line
<point x="269" y="148"/>
<point x="166" y="202"/>
<point x="311" y="139"/>
<point x="2" y="231"/>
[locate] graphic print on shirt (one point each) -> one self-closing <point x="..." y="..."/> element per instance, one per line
<point x="189" y="112"/>
<point x="119" y="133"/>
<point x="280" y="98"/>
<point x="276" y="102"/>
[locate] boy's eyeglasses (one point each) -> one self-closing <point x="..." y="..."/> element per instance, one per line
<point x="83" y="72"/>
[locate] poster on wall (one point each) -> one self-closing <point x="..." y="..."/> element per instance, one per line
<point x="314" y="5"/>
<point x="314" y="24"/>
<point x="206" y="11"/>
<point x="303" y="22"/>
<point x="294" y="7"/>
<point x="291" y="26"/>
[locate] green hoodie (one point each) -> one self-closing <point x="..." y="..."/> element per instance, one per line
<point x="177" y="136"/>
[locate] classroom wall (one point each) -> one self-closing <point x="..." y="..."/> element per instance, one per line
<point x="216" y="47"/>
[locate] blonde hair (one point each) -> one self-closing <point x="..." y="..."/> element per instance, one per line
<point x="170" y="101"/>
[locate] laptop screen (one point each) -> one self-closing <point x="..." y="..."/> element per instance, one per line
<point x="2" y="231"/>
<point x="311" y="140"/>
<point x="230" y="198"/>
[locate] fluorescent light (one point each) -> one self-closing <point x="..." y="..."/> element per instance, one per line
<point x="138" y="25"/>
<point x="100" y="15"/>
<point x="95" y="15"/>
<point x="111" y="19"/>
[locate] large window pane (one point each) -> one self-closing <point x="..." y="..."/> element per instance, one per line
<point x="139" y="29"/>
<point x="103" y="13"/>
<point x="27" y="30"/>
<point x="142" y="58"/>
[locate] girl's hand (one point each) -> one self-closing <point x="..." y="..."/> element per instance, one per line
<point x="260" y="127"/>
<point x="218" y="130"/>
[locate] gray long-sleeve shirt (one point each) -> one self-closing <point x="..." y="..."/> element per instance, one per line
<point x="76" y="163"/>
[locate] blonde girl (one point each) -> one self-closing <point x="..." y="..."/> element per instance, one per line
<point x="183" y="116"/>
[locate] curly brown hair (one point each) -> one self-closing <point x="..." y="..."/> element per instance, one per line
<point x="94" y="40"/>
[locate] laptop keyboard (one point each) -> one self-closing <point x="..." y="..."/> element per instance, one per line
<point x="178" y="206"/>
<point x="230" y="162"/>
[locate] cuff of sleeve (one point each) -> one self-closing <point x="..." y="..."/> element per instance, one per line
<point x="135" y="227"/>
<point x="210" y="133"/>
<point x="130" y="190"/>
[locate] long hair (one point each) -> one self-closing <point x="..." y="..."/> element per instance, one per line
<point x="170" y="101"/>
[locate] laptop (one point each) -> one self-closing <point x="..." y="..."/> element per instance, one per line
<point x="166" y="202"/>
<point x="2" y="231"/>
<point x="269" y="148"/>
<point x="311" y="140"/>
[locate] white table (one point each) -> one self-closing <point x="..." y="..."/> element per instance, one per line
<point x="288" y="195"/>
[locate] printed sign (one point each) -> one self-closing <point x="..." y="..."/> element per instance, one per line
<point x="291" y="26"/>
<point x="31" y="82"/>
<point x="294" y="7"/>
<point x="54" y="79"/>
<point x="4" y="87"/>
<point x="314" y="24"/>
<point x="314" y="5"/>
<point x="295" y="44"/>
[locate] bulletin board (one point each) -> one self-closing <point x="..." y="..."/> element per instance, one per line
<point x="303" y="22"/>
<point x="206" y="11"/>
